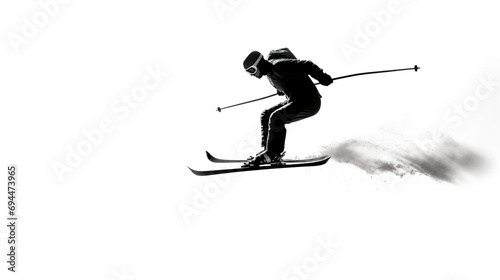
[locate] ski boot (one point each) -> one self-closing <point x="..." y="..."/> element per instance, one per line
<point x="264" y="158"/>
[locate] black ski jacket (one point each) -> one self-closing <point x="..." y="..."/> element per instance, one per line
<point x="291" y="77"/>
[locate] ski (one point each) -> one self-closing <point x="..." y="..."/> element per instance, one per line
<point x="296" y="163"/>
<point x="220" y="160"/>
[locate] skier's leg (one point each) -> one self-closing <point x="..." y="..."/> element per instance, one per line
<point x="264" y="125"/>
<point x="288" y="113"/>
<point x="264" y="122"/>
<point x="303" y="111"/>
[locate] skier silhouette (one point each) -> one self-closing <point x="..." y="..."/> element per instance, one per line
<point x="290" y="77"/>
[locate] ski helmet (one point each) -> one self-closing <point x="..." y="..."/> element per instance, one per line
<point x="251" y="62"/>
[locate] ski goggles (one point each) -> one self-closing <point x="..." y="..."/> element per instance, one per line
<point x="253" y="68"/>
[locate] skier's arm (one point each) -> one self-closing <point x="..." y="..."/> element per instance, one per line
<point x="311" y="69"/>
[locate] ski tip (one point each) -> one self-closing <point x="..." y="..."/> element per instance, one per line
<point x="209" y="155"/>
<point x="195" y="172"/>
<point x="323" y="159"/>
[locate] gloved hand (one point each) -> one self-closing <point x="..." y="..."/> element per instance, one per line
<point x="280" y="93"/>
<point x="326" y="80"/>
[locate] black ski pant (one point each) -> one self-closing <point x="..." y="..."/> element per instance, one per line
<point x="273" y="122"/>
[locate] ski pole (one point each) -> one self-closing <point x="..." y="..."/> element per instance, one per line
<point x="337" y="78"/>
<point x="376" y="72"/>
<point x="220" y="109"/>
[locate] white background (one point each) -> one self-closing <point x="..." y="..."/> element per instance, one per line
<point x="117" y="214"/>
